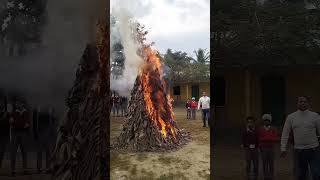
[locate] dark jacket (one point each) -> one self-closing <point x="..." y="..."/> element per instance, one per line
<point x="250" y="137"/>
<point x="21" y="119"/>
<point x="43" y="124"/>
<point x="4" y="124"/>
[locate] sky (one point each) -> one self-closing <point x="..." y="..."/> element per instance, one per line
<point x="181" y="25"/>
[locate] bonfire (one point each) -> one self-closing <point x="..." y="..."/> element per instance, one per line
<point x="150" y="124"/>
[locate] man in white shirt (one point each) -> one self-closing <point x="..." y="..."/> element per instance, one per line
<point x="204" y="103"/>
<point x="305" y="125"/>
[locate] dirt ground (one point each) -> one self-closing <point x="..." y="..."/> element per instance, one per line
<point x="192" y="161"/>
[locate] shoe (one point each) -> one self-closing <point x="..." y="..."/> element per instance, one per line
<point x="13" y="173"/>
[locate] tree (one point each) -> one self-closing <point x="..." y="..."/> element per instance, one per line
<point x="275" y="33"/>
<point x="202" y="56"/>
<point x="22" y="22"/>
<point x="186" y="68"/>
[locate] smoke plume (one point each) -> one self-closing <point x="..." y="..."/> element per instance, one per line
<point x="46" y="73"/>
<point x="124" y="32"/>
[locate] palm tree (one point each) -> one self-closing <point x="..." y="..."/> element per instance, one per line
<point x="202" y="56"/>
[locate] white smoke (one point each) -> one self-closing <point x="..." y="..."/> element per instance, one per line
<point x="46" y="74"/>
<point x="123" y="32"/>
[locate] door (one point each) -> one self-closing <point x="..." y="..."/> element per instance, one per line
<point x="195" y="92"/>
<point x="273" y="98"/>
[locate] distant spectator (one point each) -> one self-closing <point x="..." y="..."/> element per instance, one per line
<point x="20" y="125"/>
<point x="194" y="105"/>
<point x="4" y="131"/>
<point x="204" y="103"/>
<point x="188" y="108"/>
<point x="117" y="104"/>
<point x="250" y="143"/>
<point x="44" y="134"/>
<point x="124" y="105"/>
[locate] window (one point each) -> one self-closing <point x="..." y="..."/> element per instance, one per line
<point x="176" y="90"/>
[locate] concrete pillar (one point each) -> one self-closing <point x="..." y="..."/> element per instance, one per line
<point x="187" y="86"/>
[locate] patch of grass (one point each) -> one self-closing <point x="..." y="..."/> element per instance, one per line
<point x="186" y="164"/>
<point x="204" y="174"/>
<point x="173" y="176"/>
<point x="141" y="157"/>
<point x="167" y="160"/>
<point x="122" y="163"/>
<point x="145" y="175"/>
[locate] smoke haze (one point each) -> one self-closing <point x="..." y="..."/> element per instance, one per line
<point x="123" y="32"/>
<point x="46" y="74"/>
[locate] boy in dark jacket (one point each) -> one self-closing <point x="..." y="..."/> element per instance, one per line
<point x="250" y="143"/>
<point x="268" y="136"/>
<point x="188" y="107"/>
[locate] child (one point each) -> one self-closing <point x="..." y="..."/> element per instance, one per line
<point x="250" y="143"/>
<point x="194" y="105"/>
<point x="268" y="136"/>
<point x="188" y="107"/>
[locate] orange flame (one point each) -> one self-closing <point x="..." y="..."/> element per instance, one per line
<point x="158" y="104"/>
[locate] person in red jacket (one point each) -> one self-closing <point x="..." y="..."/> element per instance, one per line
<point x="194" y="106"/>
<point x="188" y="107"/>
<point x="250" y="144"/>
<point x="268" y="136"/>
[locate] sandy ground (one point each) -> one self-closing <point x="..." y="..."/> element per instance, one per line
<point x="192" y="161"/>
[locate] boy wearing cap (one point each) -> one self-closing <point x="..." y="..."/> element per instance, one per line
<point x="268" y="136"/>
<point x="194" y="105"/>
<point x="250" y="143"/>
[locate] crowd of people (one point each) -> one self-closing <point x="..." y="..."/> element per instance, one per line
<point x="193" y="106"/>
<point x="20" y="126"/>
<point x="301" y="128"/>
<point x="119" y="105"/>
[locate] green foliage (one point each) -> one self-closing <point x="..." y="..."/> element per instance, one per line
<point x="273" y="33"/>
<point x="186" y="68"/>
<point x="22" y="21"/>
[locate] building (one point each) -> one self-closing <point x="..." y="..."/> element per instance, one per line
<point x="253" y="90"/>
<point x="181" y="91"/>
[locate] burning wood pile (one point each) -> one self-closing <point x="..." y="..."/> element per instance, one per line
<point x="82" y="143"/>
<point x="150" y="125"/>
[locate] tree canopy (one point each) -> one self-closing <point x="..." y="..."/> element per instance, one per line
<point x="22" y="22"/>
<point x="274" y="33"/>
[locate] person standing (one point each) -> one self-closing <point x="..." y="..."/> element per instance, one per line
<point x="305" y="124"/>
<point x="267" y="136"/>
<point x="124" y="105"/>
<point x="4" y="131"/>
<point x="117" y="101"/>
<point x="44" y="134"/>
<point x="250" y="143"/>
<point x="194" y="106"/>
<point x="204" y="103"/>
<point x="188" y="108"/>
<point x="20" y="124"/>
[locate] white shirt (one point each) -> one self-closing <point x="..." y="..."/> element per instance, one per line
<point x="205" y="102"/>
<point x="305" y="125"/>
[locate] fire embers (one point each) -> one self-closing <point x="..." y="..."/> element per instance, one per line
<point x="150" y="125"/>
